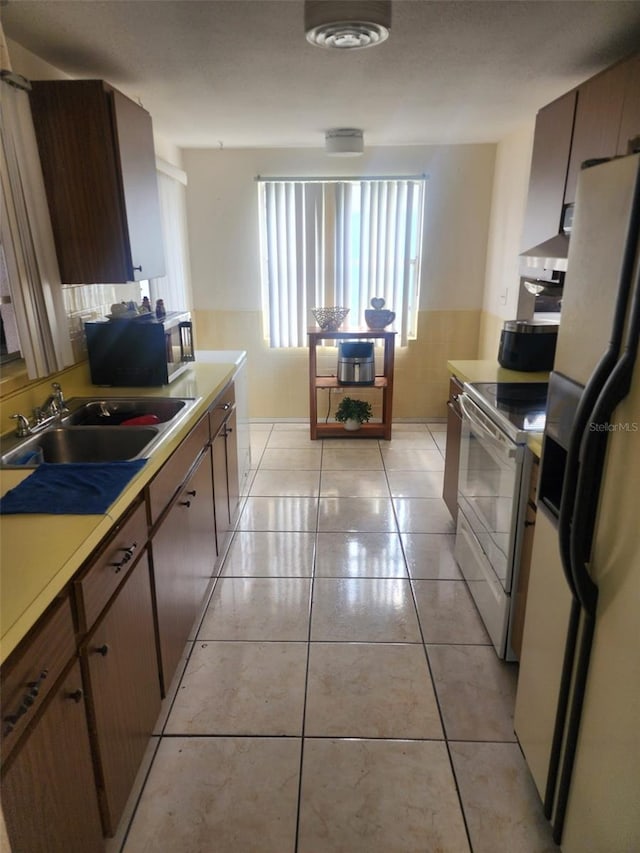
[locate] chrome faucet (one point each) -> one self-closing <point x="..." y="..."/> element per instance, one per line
<point x="51" y="410"/>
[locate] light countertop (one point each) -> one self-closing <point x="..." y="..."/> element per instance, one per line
<point x="39" y="554"/>
<point x="489" y="370"/>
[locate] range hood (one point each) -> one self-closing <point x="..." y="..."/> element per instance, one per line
<point x="552" y="254"/>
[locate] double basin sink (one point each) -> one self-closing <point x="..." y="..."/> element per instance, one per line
<point x="97" y="430"/>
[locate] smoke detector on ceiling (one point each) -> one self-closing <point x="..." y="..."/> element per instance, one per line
<point x="344" y="142"/>
<point x="347" y="24"/>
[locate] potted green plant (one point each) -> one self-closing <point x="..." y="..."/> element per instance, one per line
<point x="353" y="413"/>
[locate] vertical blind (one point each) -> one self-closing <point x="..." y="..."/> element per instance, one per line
<point x="339" y="242"/>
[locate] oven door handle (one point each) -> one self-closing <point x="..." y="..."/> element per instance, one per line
<point x="477" y="418"/>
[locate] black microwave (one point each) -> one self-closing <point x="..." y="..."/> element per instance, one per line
<point x="139" y="351"/>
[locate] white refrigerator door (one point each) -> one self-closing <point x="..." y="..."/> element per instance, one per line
<point x="595" y="259"/>
<point x="603" y="811"/>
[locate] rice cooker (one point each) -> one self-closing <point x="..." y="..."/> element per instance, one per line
<point x="528" y="345"/>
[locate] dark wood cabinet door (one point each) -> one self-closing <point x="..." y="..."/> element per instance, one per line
<point x="452" y="455"/>
<point x="597" y="124"/>
<point x="221" y="489"/>
<point x="140" y="187"/>
<point x="49" y="795"/>
<point x="98" y="164"/>
<point x="629" y="135"/>
<point x="184" y="556"/>
<point x="233" y="482"/>
<point x="124" y="689"/>
<point x="549" y="160"/>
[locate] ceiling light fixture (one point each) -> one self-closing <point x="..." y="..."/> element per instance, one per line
<point x="344" y="142"/>
<point x="347" y="24"/>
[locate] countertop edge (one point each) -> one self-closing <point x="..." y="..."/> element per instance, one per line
<point x="209" y="380"/>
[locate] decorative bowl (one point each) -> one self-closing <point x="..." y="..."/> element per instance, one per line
<point x="330" y="318"/>
<point x="378" y="318"/>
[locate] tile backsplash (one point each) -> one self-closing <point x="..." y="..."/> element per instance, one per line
<point x="84" y="302"/>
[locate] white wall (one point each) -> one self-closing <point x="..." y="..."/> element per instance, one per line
<point x="223" y="224"/>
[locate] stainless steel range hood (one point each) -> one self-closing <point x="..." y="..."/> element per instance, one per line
<point x="552" y="254"/>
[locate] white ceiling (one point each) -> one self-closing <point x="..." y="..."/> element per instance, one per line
<point x="240" y="73"/>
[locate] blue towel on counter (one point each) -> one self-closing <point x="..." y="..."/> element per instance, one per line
<point x="73" y="488"/>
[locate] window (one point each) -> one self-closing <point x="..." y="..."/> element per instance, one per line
<point x="339" y="242"/>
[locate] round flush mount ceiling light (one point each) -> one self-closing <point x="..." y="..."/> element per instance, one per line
<point x="344" y="142"/>
<point x="347" y="24"/>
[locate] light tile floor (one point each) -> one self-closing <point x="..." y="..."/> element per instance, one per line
<point x="341" y="693"/>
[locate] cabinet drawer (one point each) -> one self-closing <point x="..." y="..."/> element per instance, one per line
<point x="221" y="408"/>
<point x="174" y="472"/>
<point x="33" y="669"/>
<point x="107" y="571"/>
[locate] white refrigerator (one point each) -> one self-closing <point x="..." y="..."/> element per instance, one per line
<point x="577" y="713"/>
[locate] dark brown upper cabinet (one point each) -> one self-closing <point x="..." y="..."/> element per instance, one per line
<point x="98" y="161"/>
<point x="551" y="149"/>
<point x="597" y="125"/>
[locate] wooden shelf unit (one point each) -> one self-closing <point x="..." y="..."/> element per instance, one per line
<point x="383" y="382"/>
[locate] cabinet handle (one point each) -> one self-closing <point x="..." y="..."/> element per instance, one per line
<point x="185" y="503"/>
<point x="76" y="695"/>
<point x="139" y="269"/>
<point x="128" y="554"/>
<point x="27" y="701"/>
<point x="225" y="407"/>
<point x="192" y="492"/>
<point x="228" y="430"/>
<point x="102" y="650"/>
<point x="529" y="524"/>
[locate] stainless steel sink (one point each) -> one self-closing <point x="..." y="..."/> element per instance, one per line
<point x="95" y="430"/>
<point x="82" y="444"/>
<point x="115" y="410"/>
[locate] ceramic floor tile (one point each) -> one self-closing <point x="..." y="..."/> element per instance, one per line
<point x="354" y="484"/>
<point x="376" y="796"/>
<point x="448" y="614"/>
<point x="279" y="513"/>
<point x="167" y="702"/>
<point x="423" y="515"/>
<point x="267" y="554"/>
<point x="409" y="441"/>
<point x="414" y="459"/>
<point x="260" y="426"/>
<point x="338" y="459"/>
<point x="430" y="556"/>
<point x="257" y="609"/>
<point x="359" y="610"/>
<point x="476" y="692"/>
<point x="114" y="845"/>
<point x="440" y="439"/>
<point x="351" y="444"/>
<point x="415" y="484"/>
<point x="436" y="426"/>
<point x="409" y="426"/>
<point x="295" y="459"/>
<point x="291" y="439"/>
<point x="222" y="794"/>
<point x="241" y="689"/>
<point x="268" y="483"/>
<point x="360" y="555"/>
<point x="286" y="426"/>
<point x="370" y="690"/>
<point x="357" y="514"/>
<point x="500" y="801"/>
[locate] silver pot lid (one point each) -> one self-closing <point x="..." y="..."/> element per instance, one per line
<point x="531" y="327"/>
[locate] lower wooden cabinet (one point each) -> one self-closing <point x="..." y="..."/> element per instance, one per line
<point x="184" y="557"/>
<point x="48" y="791"/>
<point x="452" y="455"/>
<point x="121" y="670"/>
